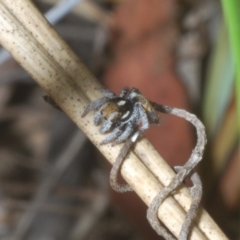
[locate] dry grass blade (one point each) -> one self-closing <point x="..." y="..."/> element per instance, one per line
<point x="38" y="48"/>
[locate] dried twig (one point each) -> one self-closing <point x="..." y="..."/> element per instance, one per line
<point x="182" y="173"/>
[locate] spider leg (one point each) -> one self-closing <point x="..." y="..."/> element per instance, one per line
<point x="98" y="118"/>
<point x="95" y="105"/>
<point x="144" y="124"/>
<point x="108" y="93"/>
<point x="112" y="136"/>
<point x="144" y="119"/>
<point x="130" y="126"/>
<point x="106" y="126"/>
<point x="139" y="113"/>
<point x="126" y="133"/>
<point x="124" y="92"/>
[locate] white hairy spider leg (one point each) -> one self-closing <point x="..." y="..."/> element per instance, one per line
<point x="129" y="126"/>
<point x="108" y="93"/>
<point x="143" y="127"/>
<point x="97" y="118"/>
<point x="107" y="124"/>
<point x="95" y="105"/>
<point x="124" y="151"/>
<point x="112" y="136"/>
<point x="126" y="133"/>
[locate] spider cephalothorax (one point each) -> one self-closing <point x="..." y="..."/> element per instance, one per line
<point x="124" y="116"/>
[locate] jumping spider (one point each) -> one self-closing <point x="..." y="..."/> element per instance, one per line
<point x="125" y="118"/>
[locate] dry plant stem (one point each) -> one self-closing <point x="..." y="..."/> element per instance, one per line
<point x="39" y="49"/>
<point x="49" y="40"/>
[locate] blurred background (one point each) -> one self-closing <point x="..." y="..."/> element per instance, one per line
<point x="54" y="184"/>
